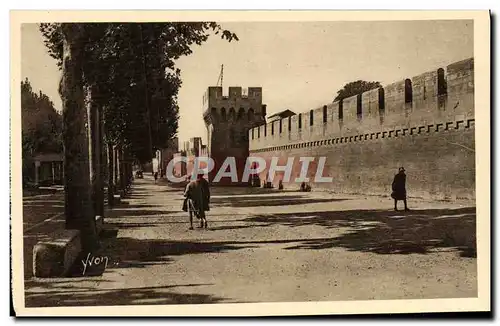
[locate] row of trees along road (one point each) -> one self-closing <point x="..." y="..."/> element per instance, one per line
<point x="119" y="89"/>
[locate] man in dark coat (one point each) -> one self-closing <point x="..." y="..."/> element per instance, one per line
<point x="399" y="188"/>
<point x="197" y="194"/>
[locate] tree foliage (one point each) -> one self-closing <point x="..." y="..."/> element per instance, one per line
<point x="41" y="126"/>
<point x="41" y="123"/>
<point x="130" y="68"/>
<point x="355" y="88"/>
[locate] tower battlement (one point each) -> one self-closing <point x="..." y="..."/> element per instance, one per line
<point x="425" y="123"/>
<point x="214" y="94"/>
<point x="240" y="105"/>
<point x="431" y="97"/>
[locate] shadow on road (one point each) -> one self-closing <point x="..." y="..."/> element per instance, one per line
<point x="137" y="210"/>
<point x="142" y="252"/>
<point x="385" y="232"/>
<point x="237" y="227"/>
<point x="139" y="213"/>
<point x="126" y="252"/>
<point x="256" y="201"/>
<point x="375" y="231"/>
<point x="128" y="296"/>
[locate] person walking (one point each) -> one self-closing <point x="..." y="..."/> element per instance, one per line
<point x="399" y="189"/>
<point x="155" y="175"/>
<point x="197" y="200"/>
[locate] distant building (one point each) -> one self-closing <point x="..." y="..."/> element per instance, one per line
<point x="280" y="115"/>
<point x="193" y="146"/>
<point x="165" y="155"/>
<point x="48" y="169"/>
<point x="191" y="149"/>
<point x="204" y="150"/>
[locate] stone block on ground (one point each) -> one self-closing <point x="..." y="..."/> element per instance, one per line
<point x="54" y="257"/>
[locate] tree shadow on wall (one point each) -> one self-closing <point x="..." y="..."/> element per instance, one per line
<point x="386" y="232"/>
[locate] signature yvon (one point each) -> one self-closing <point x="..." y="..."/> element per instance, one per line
<point x="94" y="261"/>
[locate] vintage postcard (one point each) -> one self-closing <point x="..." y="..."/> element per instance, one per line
<point x="250" y="163"/>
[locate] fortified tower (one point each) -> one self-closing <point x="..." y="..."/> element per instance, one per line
<point x="228" y="120"/>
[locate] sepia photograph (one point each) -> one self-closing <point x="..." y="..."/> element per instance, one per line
<point x="250" y="163"/>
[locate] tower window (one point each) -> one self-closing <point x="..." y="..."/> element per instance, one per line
<point x="250" y="115"/>
<point x="441" y="82"/>
<point x="381" y="100"/>
<point x="241" y="113"/>
<point x="408" y="91"/>
<point x="232" y="114"/>
<point x="359" y="106"/>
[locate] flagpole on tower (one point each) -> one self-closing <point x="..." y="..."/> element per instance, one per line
<point x="221" y="76"/>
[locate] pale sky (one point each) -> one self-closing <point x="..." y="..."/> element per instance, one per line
<point x="300" y="66"/>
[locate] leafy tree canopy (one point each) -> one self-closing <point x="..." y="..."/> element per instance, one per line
<point x="41" y="123"/>
<point x="355" y="88"/>
<point x="130" y="68"/>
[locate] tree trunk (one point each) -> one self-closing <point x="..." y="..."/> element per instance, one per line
<point x="123" y="184"/>
<point x="95" y="152"/>
<point x="100" y="165"/>
<point x="128" y="169"/>
<point x="102" y="152"/>
<point x="111" y="173"/>
<point x="125" y="170"/>
<point x="78" y="203"/>
<point x="116" y="170"/>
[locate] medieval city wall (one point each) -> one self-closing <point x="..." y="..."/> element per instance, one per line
<point x="424" y="123"/>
